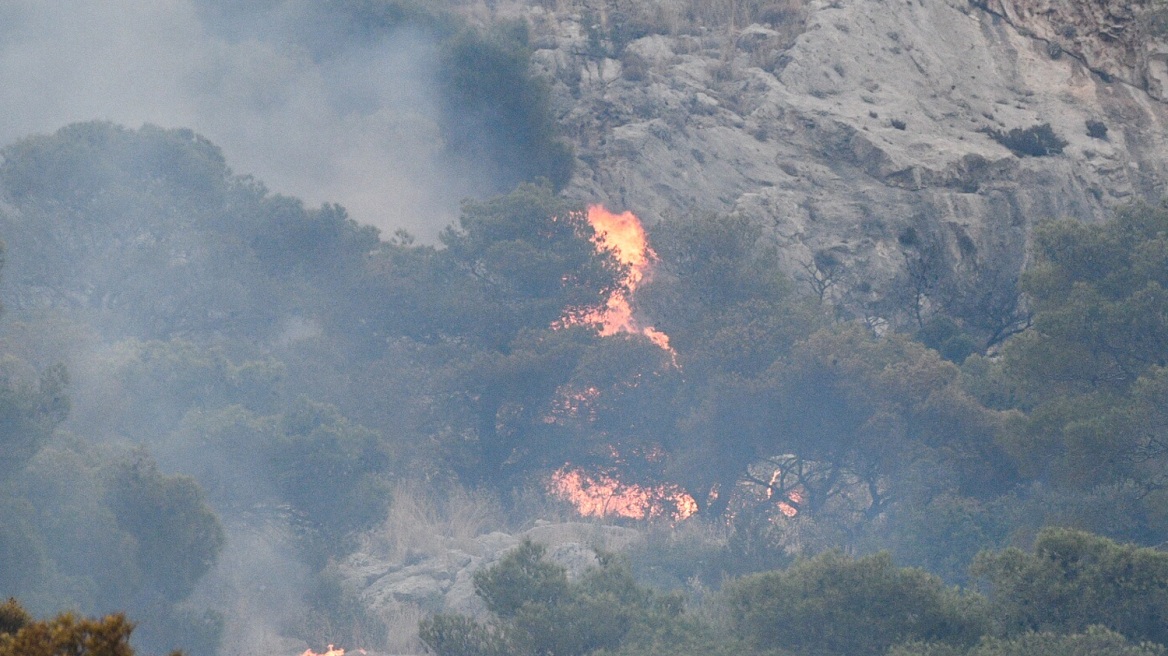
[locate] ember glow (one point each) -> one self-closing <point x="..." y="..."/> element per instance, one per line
<point x="623" y="236"/>
<point x="787" y="509"/>
<point x="601" y="495"/>
<point x="332" y="651"/>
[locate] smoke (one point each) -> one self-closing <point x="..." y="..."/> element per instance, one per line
<point x="285" y="88"/>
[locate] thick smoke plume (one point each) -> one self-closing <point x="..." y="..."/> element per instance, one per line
<point x="282" y="86"/>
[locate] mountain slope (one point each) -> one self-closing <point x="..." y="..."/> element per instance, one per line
<point x="863" y="131"/>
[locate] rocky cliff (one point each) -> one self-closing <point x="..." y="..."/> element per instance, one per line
<point x="854" y="126"/>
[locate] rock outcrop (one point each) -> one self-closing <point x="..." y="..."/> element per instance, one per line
<point x="442" y="580"/>
<point x="845" y="123"/>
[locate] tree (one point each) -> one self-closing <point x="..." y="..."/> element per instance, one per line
<point x="832" y="604"/>
<point x="20" y="635"/>
<point x="495" y="110"/>
<point x="28" y="416"/>
<point x="1073" y="580"/>
<point x="178" y="537"/>
<point x="851" y="422"/>
<point x="1096" y="641"/>
<point x="1089" y="373"/>
<point x="1100" y="304"/>
<point x="537" y="611"/>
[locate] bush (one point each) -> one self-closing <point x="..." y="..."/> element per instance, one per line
<point x="496" y="111"/>
<point x="1036" y="141"/>
<point x="1096" y="641"/>
<point x="65" y="634"/>
<point x="1073" y="580"/>
<point x="537" y="611"/>
<point x="1096" y="129"/>
<point x="832" y="604"/>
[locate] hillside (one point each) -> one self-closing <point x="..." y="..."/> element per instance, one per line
<point x="846" y="124"/>
<point x="785" y="327"/>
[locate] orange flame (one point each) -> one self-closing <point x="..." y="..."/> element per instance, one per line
<point x="623" y="236"/>
<point x="787" y="509"/>
<point x="601" y="495"/>
<point x="332" y="651"/>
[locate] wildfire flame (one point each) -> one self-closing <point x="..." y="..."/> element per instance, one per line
<point x="623" y="236"/>
<point x="332" y="651"/>
<point x="787" y="509"/>
<point x="601" y="495"/>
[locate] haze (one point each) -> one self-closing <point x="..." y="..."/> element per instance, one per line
<point x="321" y="118"/>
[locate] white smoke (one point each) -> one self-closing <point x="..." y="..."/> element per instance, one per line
<point x="349" y="121"/>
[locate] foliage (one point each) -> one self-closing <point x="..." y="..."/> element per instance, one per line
<point x="1099" y="299"/>
<point x="311" y="457"/>
<point x="496" y="111"/>
<point x="1090" y="373"/>
<point x="67" y="635"/>
<point x="536" y="610"/>
<point x="1073" y="580"/>
<point x="1035" y="141"/>
<point x="20" y="635"/>
<point x="13" y="616"/>
<point x="832" y="604"/>
<point x="178" y="537"/>
<point x="1096" y="641"/>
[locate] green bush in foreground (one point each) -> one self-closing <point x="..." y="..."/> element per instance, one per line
<point x="538" y="611"/>
<point x="833" y="604"/>
<point x="1096" y="641"/>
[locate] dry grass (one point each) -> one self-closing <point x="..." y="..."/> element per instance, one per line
<point x="401" y="623"/>
<point x="422" y="522"/>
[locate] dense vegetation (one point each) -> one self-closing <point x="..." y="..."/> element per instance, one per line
<point x="1076" y="593"/>
<point x="185" y="353"/>
<point x="184" y="349"/>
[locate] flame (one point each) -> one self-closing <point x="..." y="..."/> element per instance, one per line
<point x="573" y="403"/>
<point x="794" y="496"/>
<point x="332" y="651"/>
<point x="623" y="236"/>
<point x="602" y="495"/>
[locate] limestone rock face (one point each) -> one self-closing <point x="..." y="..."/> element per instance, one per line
<point x="442" y="580"/>
<point x="849" y="121"/>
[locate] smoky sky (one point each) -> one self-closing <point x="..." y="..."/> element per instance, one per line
<point x="306" y="107"/>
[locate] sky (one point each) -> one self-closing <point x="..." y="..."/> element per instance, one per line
<point x="343" y="121"/>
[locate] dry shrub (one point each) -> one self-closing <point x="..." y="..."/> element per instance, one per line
<point x="423" y="521"/>
<point x="401" y="624"/>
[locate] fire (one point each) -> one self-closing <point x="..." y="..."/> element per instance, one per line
<point x="787" y="509"/>
<point x="624" y="237"/>
<point x="601" y="495"/>
<point x="332" y="651"/>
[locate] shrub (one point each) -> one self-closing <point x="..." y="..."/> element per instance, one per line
<point x="495" y="110"/>
<point x="1074" y="580"/>
<point x="1035" y="141"/>
<point x="832" y="604"/>
<point x="1096" y="129"/>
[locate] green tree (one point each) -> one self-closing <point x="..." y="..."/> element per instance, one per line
<point x="1100" y="304"/>
<point x="1073" y="580"/>
<point x="178" y="537"/>
<point x="28" y="415"/>
<point x="832" y="604"/>
<point x="1096" y="641"/>
<point x="309" y="456"/>
<point x="496" y="111"/>
<point x="1089" y="373"/>
<point x="21" y="635"/>
<point x="537" y="611"/>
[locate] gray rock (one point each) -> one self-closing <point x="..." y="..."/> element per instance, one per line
<point x="875" y="118"/>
